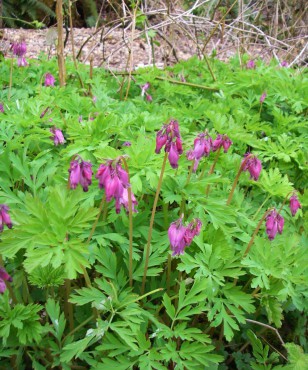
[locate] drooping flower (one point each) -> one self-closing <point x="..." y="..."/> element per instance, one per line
<point x="284" y="63"/>
<point x="5" y="218"/>
<point x="49" y="80"/>
<point x="251" y="64"/>
<point x="222" y="141"/>
<point x="181" y="236"/>
<point x="253" y="165"/>
<point x="262" y="97"/>
<point x="57" y="137"/>
<point x="149" y="98"/>
<point x="202" y="147"/>
<point x="114" y="179"/>
<point x="80" y="173"/>
<point x="170" y="138"/>
<point x="4" y="276"/>
<point x="294" y="204"/>
<point x="123" y="201"/>
<point x="1" y="108"/>
<point x="144" y="88"/>
<point x="19" y="49"/>
<point x="274" y="224"/>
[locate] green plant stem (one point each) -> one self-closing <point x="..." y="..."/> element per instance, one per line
<point x="284" y="202"/>
<point x="130" y="219"/>
<point x="261" y="206"/>
<point x="11" y="79"/>
<point x="236" y="179"/>
<point x="97" y="218"/>
<point x="68" y="306"/>
<point x="147" y="248"/>
<point x="78" y="327"/>
<point x="212" y="170"/>
<point x="256" y="232"/>
<point x="141" y="297"/>
<point x="187" y="84"/>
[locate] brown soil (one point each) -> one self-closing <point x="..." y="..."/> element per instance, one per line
<point x="111" y="47"/>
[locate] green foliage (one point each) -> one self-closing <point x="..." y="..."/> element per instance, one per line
<point x="21" y="322"/>
<point x="71" y="302"/>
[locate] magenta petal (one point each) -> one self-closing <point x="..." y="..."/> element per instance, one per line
<point x="173" y="156"/>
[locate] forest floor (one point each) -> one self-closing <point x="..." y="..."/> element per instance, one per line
<point x="110" y="47"/>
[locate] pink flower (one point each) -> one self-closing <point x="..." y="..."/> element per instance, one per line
<point x="251" y="64"/>
<point x="149" y="98"/>
<point x="173" y="156"/>
<point x="114" y="179"/>
<point x="222" y="141"/>
<point x="57" y="137"/>
<point x="284" y="63"/>
<point x="1" y="108"/>
<point x="274" y="224"/>
<point x="144" y="88"/>
<point x="176" y="233"/>
<point x="202" y="147"/>
<point x="19" y="49"/>
<point x="127" y="143"/>
<point x="262" y="97"/>
<point x="80" y="173"/>
<point x="5" y="218"/>
<point x="253" y="165"/>
<point x="170" y="138"/>
<point x="294" y="204"/>
<point x="4" y="276"/>
<point x="49" y="80"/>
<point x="123" y="201"/>
<point x="21" y="62"/>
<point x="181" y="236"/>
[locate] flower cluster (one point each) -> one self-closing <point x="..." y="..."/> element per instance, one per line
<point x="169" y="137"/>
<point x="181" y="236"/>
<point x="114" y="179"/>
<point x="274" y="224"/>
<point x="4" y="276"/>
<point x="5" y="218"/>
<point x="294" y="204"/>
<point x="253" y="165"/>
<point x="57" y="137"/>
<point x="204" y="144"/>
<point x="49" y="80"/>
<point x="222" y="141"/>
<point x="80" y="173"/>
<point x="19" y="49"/>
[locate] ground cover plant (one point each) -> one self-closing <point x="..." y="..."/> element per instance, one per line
<point x="153" y="225"/>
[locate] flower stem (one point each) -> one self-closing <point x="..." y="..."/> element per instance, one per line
<point x="236" y="179"/>
<point x="11" y="79"/>
<point x="166" y="223"/>
<point x="97" y="218"/>
<point x="130" y="219"/>
<point x="256" y="232"/>
<point x="212" y="170"/>
<point x="147" y="248"/>
<point x="261" y="206"/>
<point x="68" y="306"/>
<point x="284" y="202"/>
